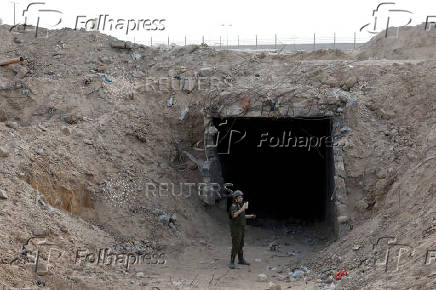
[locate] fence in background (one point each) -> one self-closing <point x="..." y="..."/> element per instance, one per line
<point x="285" y="43"/>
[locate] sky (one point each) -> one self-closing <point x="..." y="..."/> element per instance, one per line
<point x="290" y="20"/>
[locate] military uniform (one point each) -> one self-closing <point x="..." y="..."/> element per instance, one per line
<point x="237" y="231"/>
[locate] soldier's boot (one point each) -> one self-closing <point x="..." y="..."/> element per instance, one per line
<point x="241" y="259"/>
<point x="232" y="262"/>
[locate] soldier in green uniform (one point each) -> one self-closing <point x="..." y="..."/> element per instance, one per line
<point x="237" y="228"/>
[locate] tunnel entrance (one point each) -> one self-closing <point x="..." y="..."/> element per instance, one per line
<point x="284" y="166"/>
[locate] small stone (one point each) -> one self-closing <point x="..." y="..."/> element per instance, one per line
<point x="66" y="131"/>
<point x="345" y="130"/>
<point x="356" y="247"/>
<point x="3" y="117"/>
<point x="3" y="194"/>
<point x="12" y="125"/>
<point x="164" y="218"/>
<point x="72" y="119"/>
<point x="40" y="233"/>
<point x="262" y="277"/>
<point x="140" y="275"/>
<point x="73" y="278"/>
<point x="88" y="142"/>
<point x="342" y="219"/>
<point x="3" y="152"/>
<point x="205" y="71"/>
<point x="273" y="286"/>
<point x="381" y="173"/>
<point x="42" y="269"/>
<point x="297" y="274"/>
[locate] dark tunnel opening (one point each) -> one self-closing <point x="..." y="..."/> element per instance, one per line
<point x="283" y="166"/>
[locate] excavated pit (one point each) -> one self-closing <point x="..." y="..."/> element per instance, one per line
<point x="284" y="166"/>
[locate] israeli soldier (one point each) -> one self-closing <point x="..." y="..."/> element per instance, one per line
<point x="237" y="228"/>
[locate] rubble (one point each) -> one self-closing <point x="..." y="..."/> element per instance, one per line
<point x="3" y="152"/>
<point x="3" y="194"/>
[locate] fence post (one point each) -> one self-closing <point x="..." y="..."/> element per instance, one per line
<point x="334" y="39"/>
<point x="256" y="40"/>
<point x="238" y="41"/>
<point x="354" y="46"/>
<point x="185" y="40"/>
<point x="314" y="43"/>
<point x="220" y="41"/>
<point x="151" y="40"/>
<point x="168" y="41"/>
<point x="202" y="39"/>
<point x="275" y="41"/>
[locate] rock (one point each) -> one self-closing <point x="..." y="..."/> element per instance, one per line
<point x="342" y="219"/>
<point x="40" y="233"/>
<point x="73" y="278"/>
<point x="3" y="194"/>
<point x="72" y="119"/>
<point x="17" y="40"/>
<point x="12" y="125"/>
<point x="272" y="286"/>
<point x="205" y="71"/>
<point x="122" y="44"/>
<point x="88" y="142"/>
<point x="262" y="277"/>
<point x="164" y="218"/>
<point x="140" y="275"/>
<point x="3" y="152"/>
<point x="297" y="274"/>
<point x="138" y="74"/>
<point x="257" y="260"/>
<point x="3" y="117"/>
<point x="105" y="60"/>
<point x="381" y="173"/>
<point x="43" y="268"/>
<point x="350" y="82"/>
<point x="356" y="247"/>
<point x="66" y="131"/>
<point x="345" y="130"/>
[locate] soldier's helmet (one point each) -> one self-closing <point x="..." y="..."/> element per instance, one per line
<point x="237" y="193"/>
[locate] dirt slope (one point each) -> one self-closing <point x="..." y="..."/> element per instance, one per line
<point x="84" y="131"/>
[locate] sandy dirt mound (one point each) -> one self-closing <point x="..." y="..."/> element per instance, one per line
<point x="406" y="42"/>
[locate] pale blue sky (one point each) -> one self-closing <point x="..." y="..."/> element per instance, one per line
<point x="290" y="20"/>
